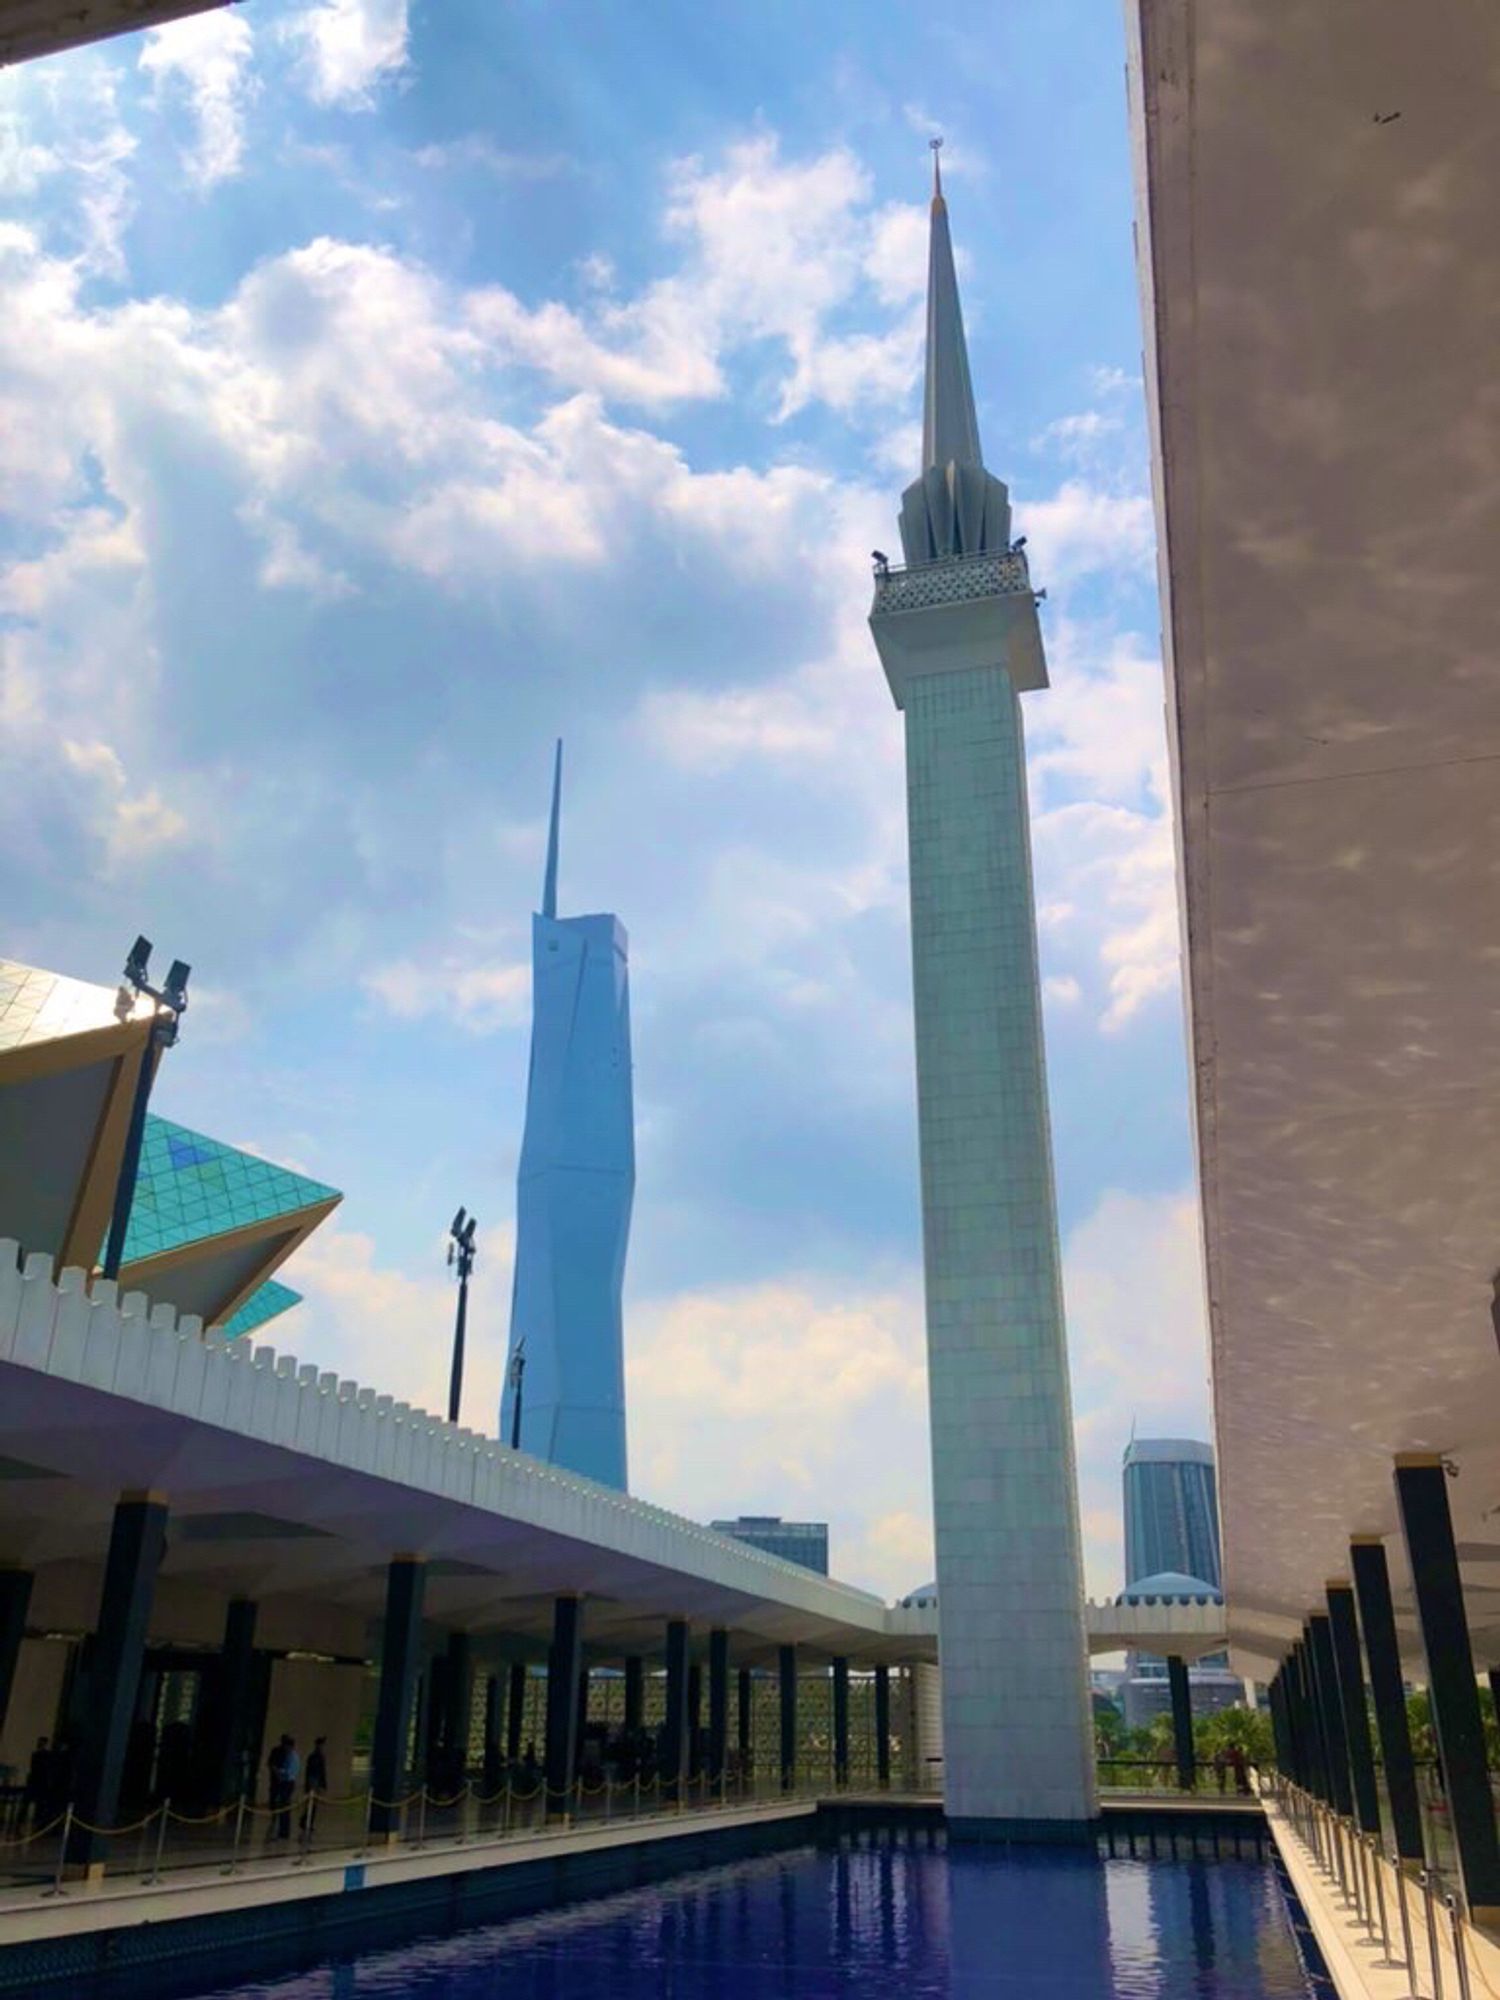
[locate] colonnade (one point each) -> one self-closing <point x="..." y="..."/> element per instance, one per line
<point x="230" y="1720"/>
<point x="1321" y="1716"/>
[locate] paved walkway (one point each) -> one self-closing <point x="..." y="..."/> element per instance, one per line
<point x="31" y="1912"/>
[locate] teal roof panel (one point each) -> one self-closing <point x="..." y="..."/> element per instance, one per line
<point x="192" y="1187"/>
<point x="263" y="1304"/>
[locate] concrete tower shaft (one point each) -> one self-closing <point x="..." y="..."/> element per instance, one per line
<point x="958" y="635"/>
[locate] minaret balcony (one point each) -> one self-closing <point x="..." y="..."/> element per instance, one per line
<point x="956" y="615"/>
<point x="952" y="581"/>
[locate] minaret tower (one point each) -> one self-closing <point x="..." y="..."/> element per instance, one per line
<point x="958" y="636"/>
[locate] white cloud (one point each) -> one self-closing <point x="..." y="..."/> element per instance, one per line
<point x="131" y="824"/>
<point x="62" y="133"/>
<point x="351" y="47"/>
<point x="1062" y="989"/>
<point x="790" y="1397"/>
<point x="1080" y="435"/>
<point x="479" y="997"/>
<point x="210" y="55"/>
<point x="1083" y="529"/>
<point x="475" y="150"/>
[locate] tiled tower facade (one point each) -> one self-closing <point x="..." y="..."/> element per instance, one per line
<point x="574" y="1192"/>
<point x="958" y="635"/>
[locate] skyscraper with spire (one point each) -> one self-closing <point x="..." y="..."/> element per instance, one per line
<point x="958" y="636"/>
<point x="574" y="1190"/>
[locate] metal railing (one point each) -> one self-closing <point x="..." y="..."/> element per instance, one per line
<point x="1413" y="1915"/>
<point x="953" y="580"/>
<point x="165" y="1842"/>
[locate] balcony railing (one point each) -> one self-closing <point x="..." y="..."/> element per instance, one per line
<point x="955" y="580"/>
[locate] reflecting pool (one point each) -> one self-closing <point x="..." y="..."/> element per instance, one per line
<point x="877" y="1923"/>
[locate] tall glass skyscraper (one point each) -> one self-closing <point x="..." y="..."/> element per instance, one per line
<point x="574" y="1191"/>
<point x="1171" y="1511"/>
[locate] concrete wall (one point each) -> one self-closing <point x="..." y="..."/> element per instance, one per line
<point x="34" y="1699"/>
<point x="308" y="1699"/>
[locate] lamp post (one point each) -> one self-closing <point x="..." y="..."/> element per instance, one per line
<point x="169" y="1005"/>
<point x="461" y="1257"/>
<point x="517" y="1371"/>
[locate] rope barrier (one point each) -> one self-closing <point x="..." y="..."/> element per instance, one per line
<point x="37" y="1833"/>
<point x="114" y="1832"/>
<point x="200" y="1819"/>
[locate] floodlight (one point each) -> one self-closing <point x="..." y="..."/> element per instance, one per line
<point x="137" y="966"/>
<point x="456" y="1228"/>
<point x="174" y="992"/>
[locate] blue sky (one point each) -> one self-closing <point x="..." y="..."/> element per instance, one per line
<point x="389" y="389"/>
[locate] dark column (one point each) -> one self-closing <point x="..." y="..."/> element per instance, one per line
<point x="1275" y="1696"/>
<point x="1493" y="1677"/>
<point x="1325" y="1682"/>
<point x="136" y="1543"/>
<point x="400" y="1652"/>
<point x="490" y="1782"/>
<point x="841" y="1722"/>
<point x="1422" y="1494"/>
<point x="1377" y="1620"/>
<point x="883" y="1725"/>
<point x="15" y="1602"/>
<point x="515" y="1711"/>
<point x="635" y="1693"/>
<point x="746" y="1722"/>
<point x="458" y="1703"/>
<point x="695" y="1719"/>
<point x="1354" y="1711"/>
<point x="585" y="1688"/>
<point x="227" y="1723"/>
<point x="1182" y="1720"/>
<point x="564" y="1663"/>
<point x="1317" y="1737"/>
<point x="674" y="1753"/>
<point x="718" y="1705"/>
<point x="787" y="1663"/>
<point x="432" y="1707"/>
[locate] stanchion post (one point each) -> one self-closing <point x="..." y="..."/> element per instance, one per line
<point x="239" y="1826"/>
<point x="422" y="1816"/>
<point x="369" y="1811"/>
<point x="1460" y="1956"/>
<point x="1409" y="1961"/>
<point x="161" y="1837"/>
<point x="637" y="1793"/>
<point x="1432" y="1943"/>
<point x="57" y="1888"/>
<point x="505" y="1809"/>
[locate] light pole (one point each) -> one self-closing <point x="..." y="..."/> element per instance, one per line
<point x="461" y="1256"/>
<point x="170" y="1004"/>
<point x="517" y="1371"/>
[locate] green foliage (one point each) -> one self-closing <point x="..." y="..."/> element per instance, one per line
<point x="1250" y="1728"/>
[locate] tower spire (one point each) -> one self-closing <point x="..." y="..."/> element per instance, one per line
<point x="950" y="430"/>
<point x="549" y="880"/>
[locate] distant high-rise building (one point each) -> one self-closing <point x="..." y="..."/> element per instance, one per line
<point x="574" y="1191"/>
<point x="1172" y="1548"/>
<point x="804" y="1542"/>
<point x="1171" y="1510"/>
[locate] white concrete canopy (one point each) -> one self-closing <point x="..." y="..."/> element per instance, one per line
<point x="1321" y="270"/>
<point x="30" y="28"/>
<point x="295" y="1489"/>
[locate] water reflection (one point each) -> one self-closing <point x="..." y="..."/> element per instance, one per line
<point x="875" y="1920"/>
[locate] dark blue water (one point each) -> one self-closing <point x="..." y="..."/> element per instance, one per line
<point x="873" y="1924"/>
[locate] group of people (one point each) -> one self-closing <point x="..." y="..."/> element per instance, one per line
<point x="283" y="1769"/>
